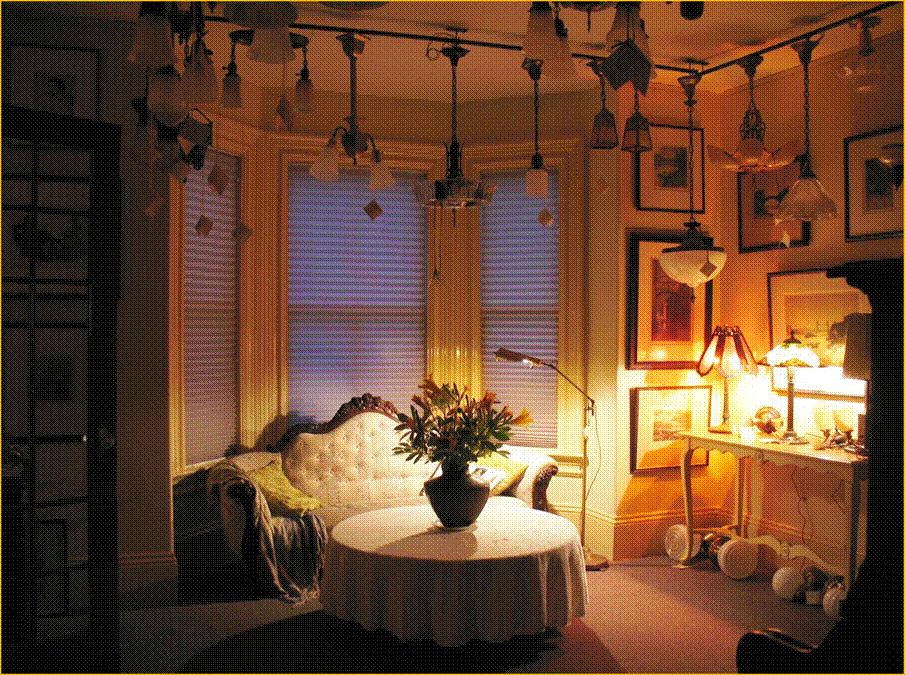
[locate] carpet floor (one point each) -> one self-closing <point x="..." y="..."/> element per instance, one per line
<point x="644" y="616"/>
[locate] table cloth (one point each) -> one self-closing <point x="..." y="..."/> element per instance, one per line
<point x="515" y="571"/>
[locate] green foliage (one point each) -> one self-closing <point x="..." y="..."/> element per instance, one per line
<point x="447" y="424"/>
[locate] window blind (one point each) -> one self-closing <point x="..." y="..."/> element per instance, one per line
<point x="356" y="292"/>
<point x="520" y="302"/>
<point x="211" y="313"/>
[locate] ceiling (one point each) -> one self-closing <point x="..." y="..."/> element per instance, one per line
<point x="394" y="66"/>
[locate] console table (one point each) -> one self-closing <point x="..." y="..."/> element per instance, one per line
<point x="515" y="571"/>
<point x="846" y="466"/>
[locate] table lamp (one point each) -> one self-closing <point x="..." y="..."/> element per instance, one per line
<point x="728" y="350"/>
<point x="791" y="354"/>
<point x="591" y="559"/>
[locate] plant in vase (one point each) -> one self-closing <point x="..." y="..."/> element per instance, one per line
<point x="449" y="426"/>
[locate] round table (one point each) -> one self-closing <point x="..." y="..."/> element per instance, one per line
<point x="515" y="571"/>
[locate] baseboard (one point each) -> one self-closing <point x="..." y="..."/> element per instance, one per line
<point x="148" y="580"/>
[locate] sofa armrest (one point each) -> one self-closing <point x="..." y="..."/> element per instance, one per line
<point x="532" y="487"/>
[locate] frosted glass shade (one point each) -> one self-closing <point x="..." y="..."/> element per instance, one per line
<point x="166" y="99"/>
<point x="303" y="89"/>
<point x="232" y="88"/>
<point x="692" y="266"/>
<point x="536" y="183"/>
<point x="271" y="45"/>
<point x="381" y="177"/>
<point x="153" y="43"/>
<point x="806" y="200"/>
<point x="868" y="73"/>
<point x="326" y="166"/>
<point x="198" y="79"/>
<point x="541" y="41"/>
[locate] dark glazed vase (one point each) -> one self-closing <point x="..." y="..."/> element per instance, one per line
<point x="456" y="496"/>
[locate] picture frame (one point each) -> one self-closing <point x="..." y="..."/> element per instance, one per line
<point x="759" y="194"/>
<point x="658" y="415"/>
<point x="816" y="307"/>
<point x="661" y="174"/>
<point x="873" y="195"/>
<point x="61" y="81"/>
<point x="668" y="323"/>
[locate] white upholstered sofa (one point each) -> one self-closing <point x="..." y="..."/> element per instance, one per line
<point x="348" y="466"/>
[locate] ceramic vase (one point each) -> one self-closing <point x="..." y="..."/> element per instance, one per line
<point x="456" y="496"/>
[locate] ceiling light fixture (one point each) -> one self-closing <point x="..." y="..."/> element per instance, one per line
<point x="231" y="96"/>
<point x="636" y="136"/>
<point x="806" y="199"/>
<point x="750" y="154"/>
<point x="303" y="86"/>
<point x="604" y="135"/>
<point x="629" y="59"/>
<point x="546" y="40"/>
<point x="536" y="180"/>
<point x="695" y="260"/>
<point x="867" y="72"/>
<point x="454" y="191"/>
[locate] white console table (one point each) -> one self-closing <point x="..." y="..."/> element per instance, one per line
<point x="846" y="466"/>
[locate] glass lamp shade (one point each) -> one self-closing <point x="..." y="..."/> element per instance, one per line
<point x="326" y="166"/>
<point x="232" y="88"/>
<point x="271" y="45"/>
<point x="198" y="80"/>
<point x="381" y="177"/>
<point x="791" y="352"/>
<point x="541" y="40"/>
<point x="868" y="73"/>
<point x="694" y="261"/>
<point x="806" y="200"/>
<point x="536" y="183"/>
<point x="750" y="152"/>
<point x="453" y="192"/>
<point x="260" y="14"/>
<point x="153" y="43"/>
<point x="728" y="350"/>
<point x="636" y="137"/>
<point x="303" y="89"/>
<point x="604" y="135"/>
<point x="166" y="98"/>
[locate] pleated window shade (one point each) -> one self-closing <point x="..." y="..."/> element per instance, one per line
<point x="211" y="313"/>
<point x="356" y="292"/>
<point x="520" y="302"/>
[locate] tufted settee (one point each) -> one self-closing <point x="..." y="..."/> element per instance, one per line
<point x="345" y="466"/>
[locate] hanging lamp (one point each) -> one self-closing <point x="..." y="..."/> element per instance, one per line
<point x="636" y="136"/>
<point x="454" y="191"/>
<point x="630" y="59"/>
<point x="750" y="154"/>
<point x="806" y="199"/>
<point x="868" y="71"/>
<point x="546" y="40"/>
<point x="303" y="86"/>
<point x="604" y="135"/>
<point x="231" y="92"/>
<point x="695" y="260"/>
<point x="536" y="180"/>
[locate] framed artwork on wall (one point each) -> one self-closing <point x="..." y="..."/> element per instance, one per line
<point x="873" y="182"/>
<point x="759" y="194"/>
<point x="61" y="81"/>
<point x="661" y="175"/>
<point x="817" y="308"/>
<point x="668" y="323"/>
<point x="658" y="415"/>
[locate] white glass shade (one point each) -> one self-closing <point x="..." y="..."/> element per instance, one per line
<point x="198" y="79"/>
<point x="166" y="99"/>
<point x="153" y="43"/>
<point x="381" y="176"/>
<point x="303" y="89"/>
<point x="284" y="112"/>
<point x="232" y="89"/>
<point x="271" y="45"/>
<point x="791" y="352"/>
<point x="541" y="41"/>
<point x="806" y="200"/>
<point x="692" y="266"/>
<point x="326" y="166"/>
<point x="536" y="183"/>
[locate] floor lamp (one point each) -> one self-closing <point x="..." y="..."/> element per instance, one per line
<point x="592" y="560"/>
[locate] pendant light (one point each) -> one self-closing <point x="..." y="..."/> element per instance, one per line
<point x="868" y="71"/>
<point x="536" y="180"/>
<point x="630" y="59"/>
<point x="604" y="135"/>
<point x="546" y="40"/>
<point x="636" y="136"/>
<point x="303" y="86"/>
<point x="231" y="96"/>
<point x="153" y="43"/>
<point x="695" y="260"/>
<point x="750" y="154"/>
<point x="806" y="199"/>
<point x="454" y="191"/>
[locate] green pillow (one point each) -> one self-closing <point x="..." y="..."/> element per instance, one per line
<point x="281" y="495"/>
<point x="500" y="466"/>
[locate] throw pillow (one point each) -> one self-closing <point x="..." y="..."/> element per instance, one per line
<point x="281" y="495"/>
<point x="500" y="466"/>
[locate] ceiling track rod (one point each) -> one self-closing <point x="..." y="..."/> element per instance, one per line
<point x="803" y="36"/>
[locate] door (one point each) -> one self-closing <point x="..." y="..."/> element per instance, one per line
<point x="61" y="233"/>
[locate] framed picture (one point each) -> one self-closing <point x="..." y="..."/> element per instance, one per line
<point x="658" y="416"/>
<point x="817" y="308"/>
<point x="873" y="181"/>
<point x="62" y="81"/>
<point x="758" y="196"/>
<point x="661" y="175"/>
<point x="668" y="322"/>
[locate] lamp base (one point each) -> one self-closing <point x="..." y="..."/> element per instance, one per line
<point x="594" y="562"/>
<point x="724" y="428"/>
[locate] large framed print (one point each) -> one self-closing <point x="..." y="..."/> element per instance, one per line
<point x="62" y="81"/>
<point x="658" y="417"/>
<point x="759" y="195"/>
<point x="661" y="174"/>
<point x="873" y="185"/>
<point x="668" y="323"/>
<point x="818" y="309"/>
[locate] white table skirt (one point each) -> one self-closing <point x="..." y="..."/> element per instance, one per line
<point x="516" y="571"/>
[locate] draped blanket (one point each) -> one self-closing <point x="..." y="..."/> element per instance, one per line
<point x="285" y="552"/>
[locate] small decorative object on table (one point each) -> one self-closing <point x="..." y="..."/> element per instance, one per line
<point x="449" y="426"/>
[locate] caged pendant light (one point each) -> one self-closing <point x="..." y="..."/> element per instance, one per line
<point x="604" y="135"/>
<point x="454" y="191"/>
